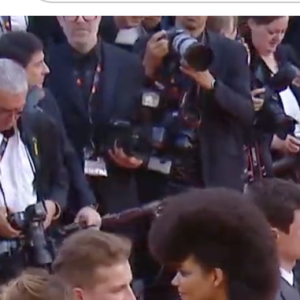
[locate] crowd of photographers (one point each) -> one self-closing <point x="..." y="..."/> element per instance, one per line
<point x="102" y="116"/>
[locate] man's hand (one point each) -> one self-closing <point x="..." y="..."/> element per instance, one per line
<point x="257" y="101"/>
<point x="289" y="145"/>
<point x="122" y="160"/>
<point x="204" y="79"/>
<point x="6" y="231"/>
<point x="157" y="48"/>
<point x="51" y="212"/>
<point x="88" y="216"/>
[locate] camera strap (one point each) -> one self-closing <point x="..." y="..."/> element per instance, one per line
<point x="94" y="88"/>
<point x="255" y="168"/>
<point x="3" y="147"/>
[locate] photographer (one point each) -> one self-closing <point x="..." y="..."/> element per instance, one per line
<point x="27" y="50"/>
<point x="26" y="174"/>
<point x="278" y="114"/>
<point x="95" y="83"/>
<point x="222" y="94"/>
<point x="33" y="181"/>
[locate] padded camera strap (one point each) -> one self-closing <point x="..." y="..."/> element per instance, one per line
<point x="255" y="168"/>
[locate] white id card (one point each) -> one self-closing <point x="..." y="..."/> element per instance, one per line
<point x="95" y="167"/>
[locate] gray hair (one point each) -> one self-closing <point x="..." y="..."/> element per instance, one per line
<point x="13" y="78"/>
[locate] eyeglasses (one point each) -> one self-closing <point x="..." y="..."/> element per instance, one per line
<point x="75" y="18"/>
<point x="10" y="112"/>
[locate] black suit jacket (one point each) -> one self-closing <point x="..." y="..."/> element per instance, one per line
<point x="227" y="112"/>
<point x="121" y="85"/>
<point x="80" y="194"/>
<point x="42" y="139"/>
<point x="287" y="292"/>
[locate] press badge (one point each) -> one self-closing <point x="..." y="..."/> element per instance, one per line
<point x="95" y="167"/>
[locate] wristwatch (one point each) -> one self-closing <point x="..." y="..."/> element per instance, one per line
<point x="213" y="84"/>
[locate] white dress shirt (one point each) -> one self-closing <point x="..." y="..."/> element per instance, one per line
<point x="16" y="175"/>
<point x="288" y="276"/>
<point x="129" y="36"/>
<point x="291" y="108"/>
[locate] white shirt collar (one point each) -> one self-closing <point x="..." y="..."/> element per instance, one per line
<point x="288" y="276"/>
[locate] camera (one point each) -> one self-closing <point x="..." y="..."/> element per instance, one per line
<point x="272" y="118"/>
<point x="192" y="53"/>
<point x="30" y="223"/>
<point x="34" y="247"/>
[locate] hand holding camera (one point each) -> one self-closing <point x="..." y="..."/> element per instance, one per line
<point x="290" y="145"/>
<point x="51" y="212"/>
<point x="157" y="48"/>
<point x="121" y="159"/>
<point x="257" y="98"/>
<point x="6" y="230"/>
<point x="204" y="79"/>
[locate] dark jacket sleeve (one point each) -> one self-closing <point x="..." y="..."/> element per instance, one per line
<point x="52" y="159"/>
<point x="234" y="95"/>
<point x="78" y="182"/>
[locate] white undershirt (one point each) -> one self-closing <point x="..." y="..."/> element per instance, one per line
<point x="291" y="108"/>
<point x="16" y="175"/>
<point x="288" y="276"/>
<point x="129" y="36"/>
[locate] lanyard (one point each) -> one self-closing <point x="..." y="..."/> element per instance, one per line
<point x="96" y="78"/>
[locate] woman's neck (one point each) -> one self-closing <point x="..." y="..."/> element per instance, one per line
<point x="270" y="61"/>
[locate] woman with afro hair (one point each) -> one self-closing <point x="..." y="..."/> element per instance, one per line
<point x="220" y="245"/>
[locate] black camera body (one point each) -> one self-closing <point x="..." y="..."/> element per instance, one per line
<point x="159" y="146"/>
<point x="33" y="242"/>
<point x="35" y="247"/>
<point x="272" y="118"/>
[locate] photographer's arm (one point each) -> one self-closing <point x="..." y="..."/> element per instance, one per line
<point x="134" y="81"/>
<point x="234" y="96"/>
<point x="74" y="168"/>
<point x="59" y="181"/>
<point x="152" y="49"/>
<point x="85" y="197"/>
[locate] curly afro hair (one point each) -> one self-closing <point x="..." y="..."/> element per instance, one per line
<point x="220" y="229"/>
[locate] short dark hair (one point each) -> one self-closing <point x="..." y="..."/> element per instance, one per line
<point x="19" y="46"/>
<point x="84" y="252"/>
<point x="261" y="20"/>
<point x="220" y="229"/>
<point x="277" y="199"/>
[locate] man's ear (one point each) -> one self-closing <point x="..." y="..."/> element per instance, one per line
<point x="275" y="233"/>
<point x="218" y="277"/>
<point x="78" y="293"/>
